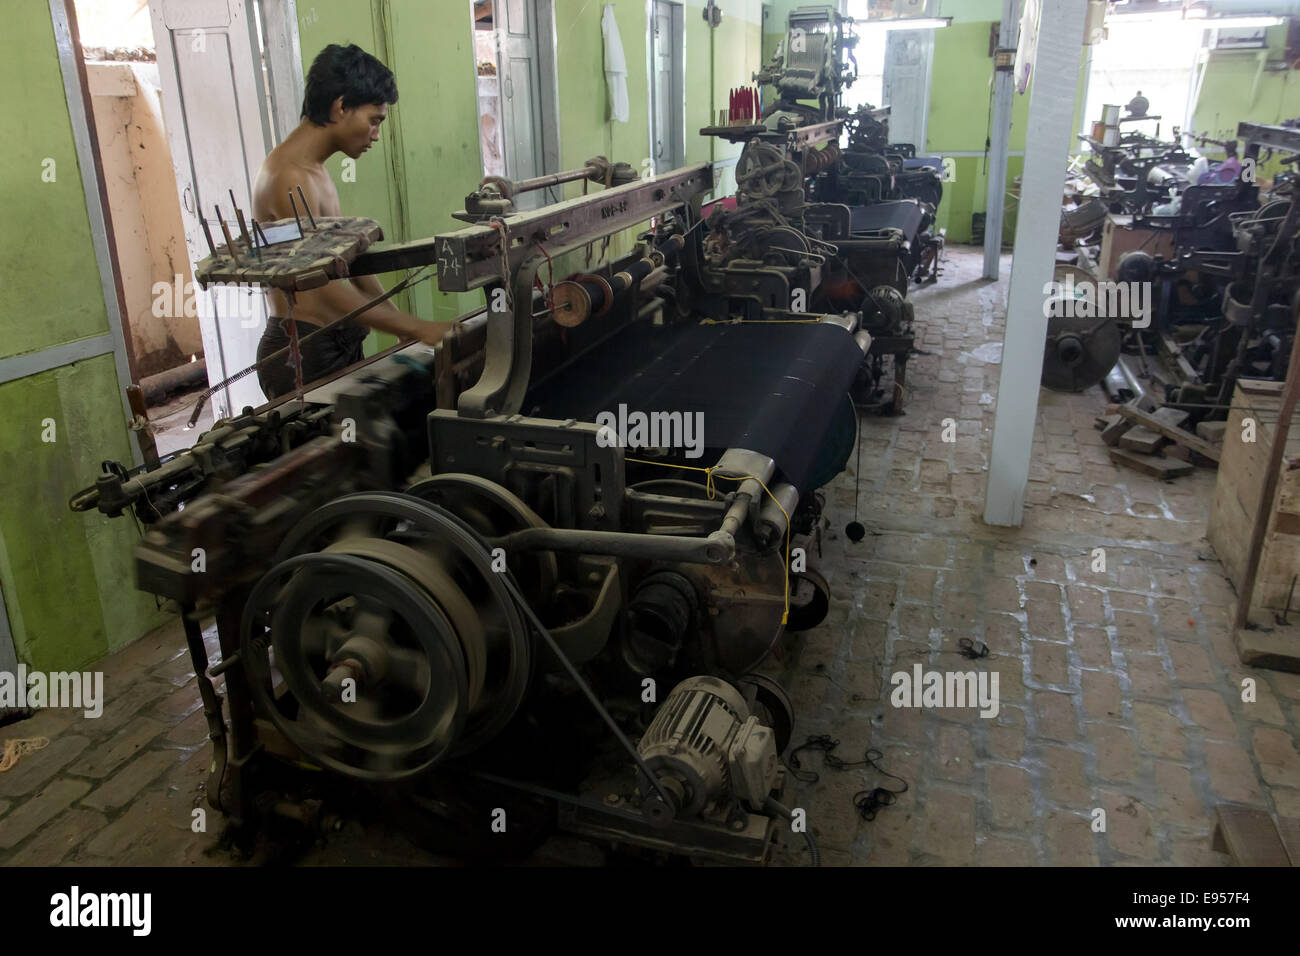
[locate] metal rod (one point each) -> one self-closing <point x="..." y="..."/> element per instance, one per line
<point x="554" y="179"/>
<point x="693" y="550"/>
<point x="239" y="217"/>
<point x="247" y="236"/>
<point x="207" y="234"/>
<point x="261" y="236"/>
<point x="1290" y="397"/>
<point x="306" y="208"/>
<point x="225" y="231"/>
<point x="211" y="703"/>
<point x="294" y="204"/>
<point x="141" y="427"/>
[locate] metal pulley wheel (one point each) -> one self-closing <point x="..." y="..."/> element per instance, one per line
<point x="810" y="600"/>
<point x="761" y="171"/>
<point x="398" y="642"/>
<point x="769" y="701"/>
<point x="335" y="619"/>
<point x="1080" y="349"/>
<point x="494" y="512"/>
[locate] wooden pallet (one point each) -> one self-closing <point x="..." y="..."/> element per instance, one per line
<point x="1237" y="499"/>
<point x="1252" y="837"/>
<point x="323" y="253"/>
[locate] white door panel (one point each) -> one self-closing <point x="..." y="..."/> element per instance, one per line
<point x="666" y="92"/>
<point x="214" y="108"/>
<point x="525" y="32"/>
<point x="907" y="85"/>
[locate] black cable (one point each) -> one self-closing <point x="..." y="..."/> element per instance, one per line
<point x="868" y="802"/>
<point x="857" y="468"/>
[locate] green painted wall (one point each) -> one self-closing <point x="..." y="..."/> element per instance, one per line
<point x="959" y="121"/>
<point x="68" y="580"/>
<point x="1244" y="86"/>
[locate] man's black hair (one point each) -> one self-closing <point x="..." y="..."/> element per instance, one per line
<point x="349" y="72"/>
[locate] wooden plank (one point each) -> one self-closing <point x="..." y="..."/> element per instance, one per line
<point x="1142" y="440"/>
<point x="1275" y="649"/>
<point x="1180" y="435"/>
<point x="1150" y="464"/>
<point x="1249" y="836"/>
<point x="1111" y="433"/>
<point x="1212" y="431"/>
<point x="1171" y="416"/>
<point x="1258" y="386"/>
<point x="1102" y="422"/>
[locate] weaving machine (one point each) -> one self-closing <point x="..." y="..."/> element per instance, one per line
<point x="458" y="570"/>
<point x="854" y="224"/>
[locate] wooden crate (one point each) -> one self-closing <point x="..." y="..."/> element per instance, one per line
<point x="1119" y="236"/>
<point x="1237" y="494"/>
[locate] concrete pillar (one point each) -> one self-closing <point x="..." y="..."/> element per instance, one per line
<point x="1050" y="130"/>
<point x="1000" y="142"/>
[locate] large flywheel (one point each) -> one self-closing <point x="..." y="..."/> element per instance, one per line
<point x="396" y="641"/>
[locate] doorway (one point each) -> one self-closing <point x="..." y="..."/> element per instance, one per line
<point x="668" y="86"/>
<point x="518" y="92"/>
<point x="188" y="98"/>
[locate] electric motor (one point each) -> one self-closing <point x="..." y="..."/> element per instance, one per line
<point x="707" y="751"/>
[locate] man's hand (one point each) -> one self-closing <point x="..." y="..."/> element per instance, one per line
<point x="430" y="333"/>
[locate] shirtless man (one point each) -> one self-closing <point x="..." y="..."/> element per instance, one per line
<point x="347" y="96"/>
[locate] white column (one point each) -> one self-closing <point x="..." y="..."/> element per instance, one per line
<point x="1051" y="118"/>
<point x="1000" y="142"/>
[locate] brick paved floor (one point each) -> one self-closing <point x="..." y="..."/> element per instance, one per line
<point x="1118" y="690"/>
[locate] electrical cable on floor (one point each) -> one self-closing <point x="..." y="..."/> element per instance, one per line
<point x="820" y="671"/>
<point x="868" y="802"/>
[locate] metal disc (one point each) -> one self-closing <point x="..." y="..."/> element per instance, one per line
<point x="493" y="512"/>
<point x="400" y="723"/>
<point x="1079" y="351"/>
<point x="457" y="546"/>
<point x="428" y="574"/>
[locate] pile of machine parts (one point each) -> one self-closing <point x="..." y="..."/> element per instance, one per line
<point x="845" y="230"/>
<point x="442" y="577"/>
<point x="1220" y="306"/>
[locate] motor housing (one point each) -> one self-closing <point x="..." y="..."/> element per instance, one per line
<point x="708" y="752"/>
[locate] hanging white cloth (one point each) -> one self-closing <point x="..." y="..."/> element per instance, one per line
<point x="615" y="67"/>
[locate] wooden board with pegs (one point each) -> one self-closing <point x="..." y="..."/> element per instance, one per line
<point x="305" y="261"/>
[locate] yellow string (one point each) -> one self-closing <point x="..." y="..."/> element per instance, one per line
<point x="711" y="491"/>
